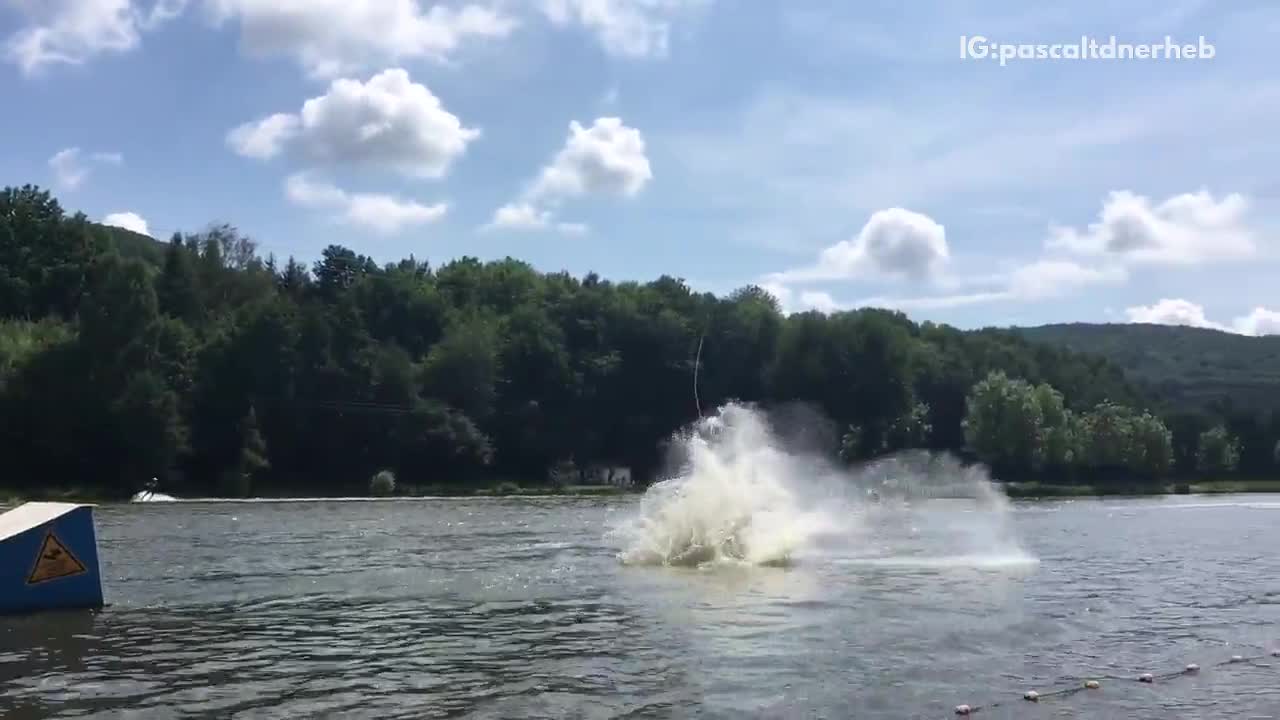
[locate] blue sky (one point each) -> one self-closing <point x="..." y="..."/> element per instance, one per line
<point x="839" y="153"/>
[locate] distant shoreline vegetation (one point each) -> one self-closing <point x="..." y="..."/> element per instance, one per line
<point x="222" y="373"/>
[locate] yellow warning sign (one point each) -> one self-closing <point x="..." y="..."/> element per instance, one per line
<point x="54" y="561"/>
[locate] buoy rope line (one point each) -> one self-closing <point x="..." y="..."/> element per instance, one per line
<point x="1095" y="683"/>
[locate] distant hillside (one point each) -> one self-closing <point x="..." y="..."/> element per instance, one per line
<point x="1184" y="366"/>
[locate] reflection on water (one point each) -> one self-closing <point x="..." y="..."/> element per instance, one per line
<point x="518" y="608"/>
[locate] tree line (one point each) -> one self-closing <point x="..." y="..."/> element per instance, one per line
<point x="199" y="362"/>
<point x="1019" y="428"/>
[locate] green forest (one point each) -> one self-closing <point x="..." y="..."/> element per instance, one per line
<point x="199" y="362"/>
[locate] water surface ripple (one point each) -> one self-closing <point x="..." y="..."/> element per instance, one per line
<point x="519" y="608"/>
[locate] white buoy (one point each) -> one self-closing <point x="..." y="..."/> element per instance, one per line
<point x="1237" y="658"/>
<point x="1031" y="696"/>
<point x="1092" y="684"/>
<point x="1193" y="668"/>
<point x="963" y="710"/>
<point x="1146" y="678"/>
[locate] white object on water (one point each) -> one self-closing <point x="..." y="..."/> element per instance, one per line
<point x="1031" y="696"/>
<point x="1193" y="668"/>
<point x="1237" y="658"/>
<point x="1092" y="684"/>
<point x="963" y="710"/>
<point x="1146" y="678"/>
<point x="150" y="496"/>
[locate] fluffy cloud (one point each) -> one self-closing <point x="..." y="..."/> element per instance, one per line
<point x="265" y="138"/>
<point x="128" y="221"/>
<point x="627" y="28"/>
<point x="523" y="216"/>
<point x="1260" y="321"/>
<point x="607" y="158"/>
<point x="1170" y="311"/>
<point x="792" y="301"/>
<point x="1184" y="229"/>
<point x="70" y="167"/>
<point x="385" y="214"/>
<point x="894" y="243"/>
<point x="389" y="123"/>
<point x="68" y="171"/>
<point x="1055" y="278"/>
<point x="72" y="31"/>
<point x="1039" y="280"/>
<point x="330" y="37"/>
<point x="1176" y="311"/>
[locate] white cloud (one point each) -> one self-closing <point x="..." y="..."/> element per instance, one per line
<point x="330" y="37"/>
<point x="265" y="138"/>
<point x="1176" y="311"/>
<point x="626" y="28"/>
<point x="1171" y="311"/>
<point x="73" y="31"/>
<point x="1184" y="229"/>
<point x="523" y="216"/>
<point x="385" y="214"/>
<point x="893" y="243"/>
<point x="607" y="158"/>
<point x="109" y="158"/>
<point x="937" y="302"/>
<point x="520" y="216"/>
<point x="820" y="301"/>
<point x="71" y="169"/>
<point x="791" y="301"/>
<point x="1040" y="280"/>
<point x="389" y="123"/>
<point x="128" y="221"/>
<point x="1259" y="322"/>
<point x="1054" y="278"/>
<point x="68" y="172"/>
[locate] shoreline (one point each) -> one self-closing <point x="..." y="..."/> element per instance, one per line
<point x="13" y="497"/>
<point x="1047" y="491"/>
<point x="1014" y="490"/>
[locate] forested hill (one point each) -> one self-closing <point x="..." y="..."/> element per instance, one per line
<point x="218" y="370"/>
<point x="1187" y="368"/>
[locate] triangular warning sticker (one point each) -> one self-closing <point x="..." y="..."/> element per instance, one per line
<point x="54" y="561"/>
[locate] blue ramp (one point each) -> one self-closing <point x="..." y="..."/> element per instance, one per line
<point x="49" y="558"/>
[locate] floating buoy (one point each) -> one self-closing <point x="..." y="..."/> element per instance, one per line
<point x="49" y="558"/>
<point x="1194" y="668"/>
<point x="1031" y="696"/>
<point x="1237" y="658"/>
<point x="1146" y="678"/>
<point x="1092" y="684"/>
<point x="963" y="710"/>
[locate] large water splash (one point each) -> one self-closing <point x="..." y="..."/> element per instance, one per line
<point x="731" y="500"/>
<point x="745" y="494"/>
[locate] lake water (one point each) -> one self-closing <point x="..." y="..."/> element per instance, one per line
<point x="520" y="608"/>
